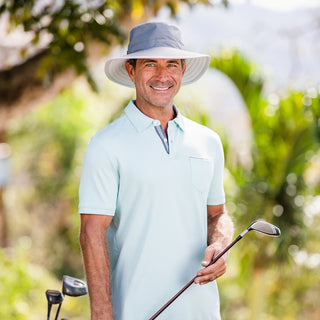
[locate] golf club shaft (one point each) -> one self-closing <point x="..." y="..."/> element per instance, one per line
<point x="214" y="260"/>
<point x="172" y="299"/>
<point x="49" y="310"/>
<point x="58" y="311"/>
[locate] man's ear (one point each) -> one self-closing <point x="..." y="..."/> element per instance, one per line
<point x="130" y="71"/>
<point x="184" y="69"/>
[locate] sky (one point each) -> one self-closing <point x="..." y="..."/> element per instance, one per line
<point x="282" y="37"/>
<point x="280" y="5"/>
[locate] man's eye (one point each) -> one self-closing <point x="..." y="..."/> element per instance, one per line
<point x="150" y="64"/>
<point x="172" y="65"/>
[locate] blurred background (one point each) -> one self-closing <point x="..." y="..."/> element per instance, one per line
<point x="261" y="94"/>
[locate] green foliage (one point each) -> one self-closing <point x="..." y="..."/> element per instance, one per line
<point x="285" y="133"/>
<point x="23" y="286"/>
<point x="72" y="28"/>
<point x="19" y="282"/>
<point x="50" y="139"/>
<point x="243" y="73"/>
<point x="58" y="136"/>
<point x="48" y="147"/>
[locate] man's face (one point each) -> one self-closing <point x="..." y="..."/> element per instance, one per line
<point x="157" y="81"/>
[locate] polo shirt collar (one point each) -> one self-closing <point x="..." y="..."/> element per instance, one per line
<point x="141" y="122"/>
<point x="178" y="119"/>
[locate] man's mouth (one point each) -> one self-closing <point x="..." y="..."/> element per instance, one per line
<point x="160" y="88"/>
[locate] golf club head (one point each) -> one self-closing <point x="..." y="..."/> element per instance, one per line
<point x="74" y="287"/>
<point x="265" y="228"/>
<point x="54" y="296"/>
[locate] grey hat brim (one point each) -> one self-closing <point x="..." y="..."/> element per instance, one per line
<point x="196" y="64"/>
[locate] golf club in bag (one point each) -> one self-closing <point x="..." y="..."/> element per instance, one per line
<point x="70" y="287"/>
<point x="259" y="226"/>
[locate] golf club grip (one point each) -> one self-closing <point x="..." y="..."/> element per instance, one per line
<point x="214" y="260"/>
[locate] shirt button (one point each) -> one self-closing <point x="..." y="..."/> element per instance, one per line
<point x="156" y="122"/>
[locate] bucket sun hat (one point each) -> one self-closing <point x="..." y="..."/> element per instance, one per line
<point x="156" y="40"/>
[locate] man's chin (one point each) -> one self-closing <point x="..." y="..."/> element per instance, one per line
<point x="162" y="105"/>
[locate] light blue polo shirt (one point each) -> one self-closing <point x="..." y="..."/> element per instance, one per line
<point x="158" y="234"/>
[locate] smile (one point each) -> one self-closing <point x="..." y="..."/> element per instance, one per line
<point x="161" y="88"/>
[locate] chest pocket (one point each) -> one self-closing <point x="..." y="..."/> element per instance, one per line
<point x="201" y="173"/>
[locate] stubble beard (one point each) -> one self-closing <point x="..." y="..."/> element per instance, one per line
<point x="154" y="85"/>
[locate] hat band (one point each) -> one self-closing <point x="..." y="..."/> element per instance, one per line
<point x="154" y="42"/>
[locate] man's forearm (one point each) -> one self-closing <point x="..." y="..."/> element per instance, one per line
<point x="220" y="228"/>
<point x="97" y="267"/>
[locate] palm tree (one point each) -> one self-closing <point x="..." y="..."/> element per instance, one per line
<point x="286" y="134"/>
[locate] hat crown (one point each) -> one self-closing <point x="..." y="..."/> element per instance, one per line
<point x="152" y="35"/>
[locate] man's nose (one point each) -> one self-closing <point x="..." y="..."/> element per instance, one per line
<point x="162" y="73"/>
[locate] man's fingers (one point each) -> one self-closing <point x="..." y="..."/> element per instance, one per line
<point x="212" y="272"/>
<point x="205" y="279"/>
<point x="208" y="255"/>
<point x="220" y="265"/>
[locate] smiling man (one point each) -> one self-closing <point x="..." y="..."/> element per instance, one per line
<point x="151" y="192"/>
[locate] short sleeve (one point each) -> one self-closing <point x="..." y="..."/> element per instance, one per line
<point x="216" y="194"/>
<point x="99" y="180"/>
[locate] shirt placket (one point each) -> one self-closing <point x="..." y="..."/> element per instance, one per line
<point x="163" y="138"/>
<point x="169" y="142"/>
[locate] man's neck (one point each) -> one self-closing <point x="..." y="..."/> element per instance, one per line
<point x="163" y="114"/>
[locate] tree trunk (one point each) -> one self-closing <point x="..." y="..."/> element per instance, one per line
<point x="21" y="88"/>
<point x="3" y="222"/>
<point x="3" y="216"/>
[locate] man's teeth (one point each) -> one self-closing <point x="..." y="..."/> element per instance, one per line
<point x="161" y="89"/>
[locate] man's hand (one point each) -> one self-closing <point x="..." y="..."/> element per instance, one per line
<point x="214" y="271"/>
<point x="220" y="232"/>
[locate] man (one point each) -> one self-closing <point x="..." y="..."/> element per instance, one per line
<point x="152" y="180"/>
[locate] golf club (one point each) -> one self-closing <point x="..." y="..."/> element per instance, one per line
<point x="53" y="297"/>
<point x="73" y="287"/>
<point x="259" y="226"/>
